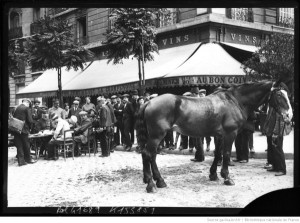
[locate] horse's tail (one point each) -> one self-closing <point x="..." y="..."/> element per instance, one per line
<point x="141" y="127"/>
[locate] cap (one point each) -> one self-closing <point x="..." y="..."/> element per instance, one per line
<point x="202" y="91"/>
<point x="153" y="95"/>
<point x="83" y="113"/>
<point x="73" y="119"/>
<point x="187" y="94"/>
<point x="77" y="98"/>
<point x="76" y="102"/>
<point x="113" y="97"/>
<point x="55" y="101"/>
<point x="195" y="90"/>
<point x="125" y="95"/>
<point x="36" y="101"/>
<point x="26" y="99"/>
<point x="54" y="117"/>
<point x="135" y="92"/>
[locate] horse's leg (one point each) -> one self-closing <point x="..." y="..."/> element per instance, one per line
<point x="148" y="154"/>
<point x="213" y="169"/>
<point x="228" y="141"/>
<point x="160" y="183"/>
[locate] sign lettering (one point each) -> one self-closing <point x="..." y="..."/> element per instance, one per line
<point x="243" y="38"/>
<point x="175" y="40"/>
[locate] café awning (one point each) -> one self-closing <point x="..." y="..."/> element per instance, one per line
<point x="101" y="77"/>
<point x="211" y="64"/>
<point x="46" y="85"/>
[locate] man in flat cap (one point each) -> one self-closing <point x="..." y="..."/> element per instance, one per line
<point x="21" y="141"/>
<point x="81" y="132"/>
<point x="75" y="110"/>
<point x="118" y="110"/>
<point x="128" y="122"/>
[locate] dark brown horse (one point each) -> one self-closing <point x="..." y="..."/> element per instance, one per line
<point x="220" y="114"/>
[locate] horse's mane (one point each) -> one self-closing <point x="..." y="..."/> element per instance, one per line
<point x="248" y="86"/>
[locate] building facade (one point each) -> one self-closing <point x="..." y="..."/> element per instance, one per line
<point x="181" y="27"/>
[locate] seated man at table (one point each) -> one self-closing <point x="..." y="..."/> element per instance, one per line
<point x="58" y="137"/>
<point x="81" y="132"/>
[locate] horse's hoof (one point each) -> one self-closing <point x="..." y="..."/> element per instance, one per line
<point x="213" y="177"/>
<point x="151" y="188"/>
<point x="223" y="175"/>
<point x="229" y="182"/>
<point x="161" y="183"/>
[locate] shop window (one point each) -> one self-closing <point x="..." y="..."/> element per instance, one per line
<point x="242" y="14"/>
<point x="286" y="17"/>
<point x="82" y="37"/>
<point x="168" y="17"/>
<point x="201" y="11"/>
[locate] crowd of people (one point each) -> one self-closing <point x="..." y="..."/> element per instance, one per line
<point x="113" y="118"/>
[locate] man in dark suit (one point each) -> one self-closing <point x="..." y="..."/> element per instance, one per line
<point x="128" y="121"/>
<point x="134" y="101"/>
<point x="110" y="134"/>
<point x="75" y="110"/>
<point x="118" y="110"/>
<point x="23" y="112"/>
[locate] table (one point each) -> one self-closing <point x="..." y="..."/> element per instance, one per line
<point x="35" y="138"/>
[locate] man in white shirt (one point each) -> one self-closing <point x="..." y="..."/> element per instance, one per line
<point x="58" y="137"/>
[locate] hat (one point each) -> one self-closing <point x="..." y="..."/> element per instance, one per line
<point x="153" y="95"/>
<point x="36" y="101"/>
<point x="202" y="91"/>
<point x="195" y="90"/>
<point x="54" y="117"/>
<point x="140" y="98"/>
<point x="83" y="113"/>
<point x="55" y="100"/>
<point x="73" y="119"/>
<point x="113" y="97"/>
<point x="187" y="94"/>
<point x="77" y="98"/>
<point x="76" y="102"/>
<point x="26" y="99"/>
<point x="135" y="92"/>
<point x="125" y="95"/>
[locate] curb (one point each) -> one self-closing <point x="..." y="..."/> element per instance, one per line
<point x="256" y="155"/>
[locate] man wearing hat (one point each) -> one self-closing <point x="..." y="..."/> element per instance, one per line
<point x="128" y="122"/>
<point x="75" y="110"/>
<point x="118" y="110"/>
<point x="104" y="130"/>
<point x="62" y="125"/>
<point x="79" y="100"/>
<point x="21" y="141"/>
<point x="81" y="132"/>
<point x="88" y="105"/>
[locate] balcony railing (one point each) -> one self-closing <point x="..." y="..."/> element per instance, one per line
<point x="82" y="40"/>
<point x="242" y="14"/>
<point x="167" y="19"/>
<point x="15" y="33"/>
<point x="286" y="22"/>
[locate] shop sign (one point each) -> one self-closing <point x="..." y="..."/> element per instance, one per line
<point x="202" y="80"/>
<point x="242" y="36"/>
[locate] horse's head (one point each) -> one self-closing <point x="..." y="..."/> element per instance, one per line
<point x="279" y="100"/>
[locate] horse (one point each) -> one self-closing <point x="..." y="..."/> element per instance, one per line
<point x="220" y="114"/>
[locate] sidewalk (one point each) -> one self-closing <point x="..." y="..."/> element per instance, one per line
<point x="259" y="142"/>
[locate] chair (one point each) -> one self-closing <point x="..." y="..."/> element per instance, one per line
<point x="67" y="144"/>
<point x="91" y="139"/>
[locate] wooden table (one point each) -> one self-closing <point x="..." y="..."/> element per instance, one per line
<point x="34" y="138"/>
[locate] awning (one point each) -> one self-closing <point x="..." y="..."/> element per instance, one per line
<point x="101" y="77"/>
<point x="46" y="85"/>
<point x="249" y="48"/>
<point x="209" y="65"/>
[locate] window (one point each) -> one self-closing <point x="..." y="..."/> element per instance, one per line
<point x="168" y="17"/>
<point x="286" y="17"/>
<point x="36" y="14"/>
<point x="243" y="14"/>
<point x="201" y="11"/>
<point x="82" y="31"/>
<point x="14" y="20"/>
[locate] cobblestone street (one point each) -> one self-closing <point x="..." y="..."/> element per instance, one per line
<point x="117" y="181"/>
